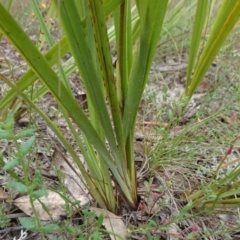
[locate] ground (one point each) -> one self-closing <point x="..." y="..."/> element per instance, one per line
<point x="177" y="150"/>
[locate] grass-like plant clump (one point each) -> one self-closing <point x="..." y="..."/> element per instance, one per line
<point x="126" y="100"/>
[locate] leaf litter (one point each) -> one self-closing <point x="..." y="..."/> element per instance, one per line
<point x="159" y="202"/>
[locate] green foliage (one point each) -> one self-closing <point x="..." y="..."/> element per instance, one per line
<point x="89" y="228"/>
<point x="26" y="185"/>
<point x="221" y="191"/>
<point x="8" y="133"/>
<point x="19" y="187"/>
<point x="113" y="95"/>
<point x="95" y="66"/>
<point x="39" y="193"/>
<point x="4" y="220"/>
<point x="30" y="224"/>
<point x="227" y="17"/>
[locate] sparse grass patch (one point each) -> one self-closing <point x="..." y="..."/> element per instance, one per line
<point x="186" y="154"/>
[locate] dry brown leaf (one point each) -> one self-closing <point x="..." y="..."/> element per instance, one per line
<point x="176" y="131"/>
<point x="73" y="182"/>
<point x="174" y="235"/>
<point x="53" y="202"/>
<point x="231" y="118"/>
<point x="175" y="232"/>
<point x="3" y="195"/>
<point x="153" y="203"/>
<point x="24" y="119"/>
<point x="205" y="86"/>
<point x="112" y="223"/>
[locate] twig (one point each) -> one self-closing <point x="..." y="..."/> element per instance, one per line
<point x="144" y="123"/>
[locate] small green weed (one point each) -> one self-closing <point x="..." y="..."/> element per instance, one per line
<point x="4" y="220"/>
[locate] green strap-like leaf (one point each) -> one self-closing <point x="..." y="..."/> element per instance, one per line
<point x="52" y="57"/>
<point x="151" y="18"/>
<point x="40" y="66"/>
<point x="200" y="17"/>
<point x="227" y="18"/>
<point x="111" y="5"/>
<point x="75" y="34"/>
<point x="105" y="61"/>
<point x="125" y="49"/>
<point x="44" y="72"/>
